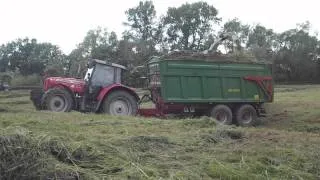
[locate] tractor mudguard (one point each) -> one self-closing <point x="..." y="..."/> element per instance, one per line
<point x="107" y="90"/>
<point x="37" y="95"/>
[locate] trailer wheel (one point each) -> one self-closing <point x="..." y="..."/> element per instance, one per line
<point x="120" y="103"/>
<point x="222" y="113"/>
<point x="246" y="115"/>
<point x="57" y="100"/>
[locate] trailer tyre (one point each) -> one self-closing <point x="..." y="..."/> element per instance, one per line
<point x="222" y="113"/>
<point x="120" y="103"/>
<point x="246" y="115"/>
<point x="57" y="100"/>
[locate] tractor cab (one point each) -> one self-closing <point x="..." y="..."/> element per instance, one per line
<point x="103" y="73"/>
<point x="100" y="74"/>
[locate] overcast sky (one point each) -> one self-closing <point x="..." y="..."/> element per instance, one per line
<point x="65" y="22"/>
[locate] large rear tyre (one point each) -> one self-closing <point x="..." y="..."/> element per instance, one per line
<point x="120" y="103"/>
<point x="58" y="100"/>
<point x="222" y="114"/>
<point x="246" y="115"/>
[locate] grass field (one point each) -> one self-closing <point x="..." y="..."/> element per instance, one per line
<point x="285" y="145"/>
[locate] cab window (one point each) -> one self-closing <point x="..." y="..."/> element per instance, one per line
<point x="103" y="75"/>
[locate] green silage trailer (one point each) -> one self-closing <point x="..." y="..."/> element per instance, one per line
<point x="229" y="91"/>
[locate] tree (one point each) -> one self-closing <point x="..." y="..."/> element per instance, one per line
<point x="29" y="56"/>
<point x="141" y="20"/>
<point x="295" y="57"/>
<point x="4" y="61"/>
<point x="144" y="31"/>
<point x="98" y="44"/>
<point x="261" y="36"/>
<point x="142" y="40"/>
<point x="239" y="31"/>
<point x="188" y="26"/>
<point x="262" y="42"/>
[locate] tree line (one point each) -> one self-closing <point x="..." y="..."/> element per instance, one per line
<point x="295" y="53"/>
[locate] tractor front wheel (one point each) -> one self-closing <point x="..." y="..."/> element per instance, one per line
<point x="58" y="100"/>
<point x="120" y="103"/>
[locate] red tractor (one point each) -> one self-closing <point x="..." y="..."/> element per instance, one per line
<point x="100" y="91"/>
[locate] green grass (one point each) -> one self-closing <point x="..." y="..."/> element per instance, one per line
<point x="296" y="108"/>
<point x="286" y="145"/>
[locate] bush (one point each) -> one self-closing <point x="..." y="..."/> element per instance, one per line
<point x="29" y="80"/>
<point x="5" y="77"/>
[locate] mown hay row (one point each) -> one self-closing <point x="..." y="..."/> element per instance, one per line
<point x="24" y="157"/>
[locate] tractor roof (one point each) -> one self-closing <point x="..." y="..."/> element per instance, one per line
<point x="92" y="62"/>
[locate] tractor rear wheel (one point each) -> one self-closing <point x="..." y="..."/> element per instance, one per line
<point x="120" y="103"/>
<point x="222" y="113"/>
<point x="246" y="115"/>
<point x="58" y="100"/>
